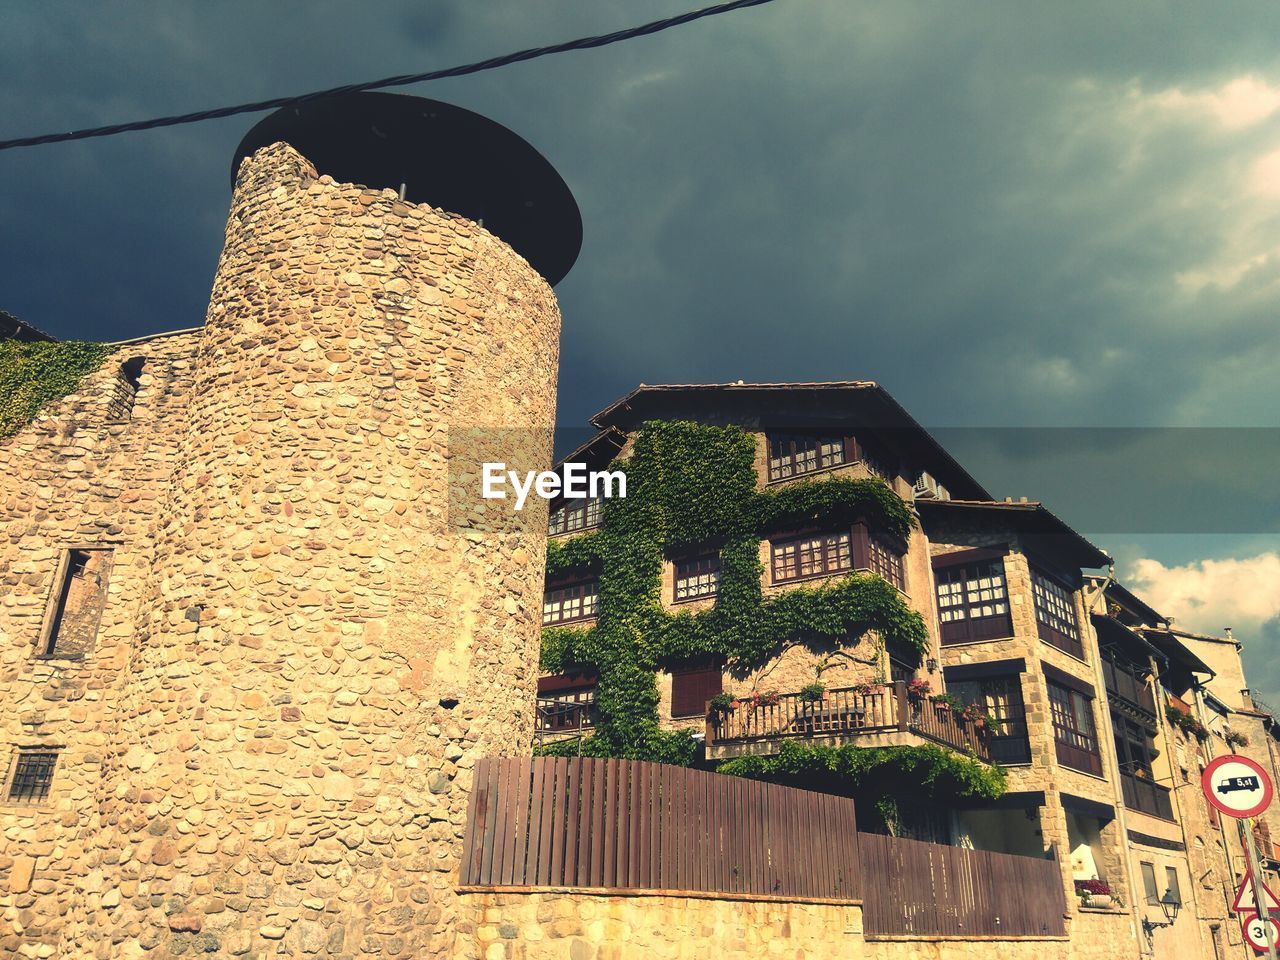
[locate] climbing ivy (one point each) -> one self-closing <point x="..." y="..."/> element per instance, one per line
<point x="693" y="485"/>
<point x="924" y="772"/>
<point x="33" y="374"/>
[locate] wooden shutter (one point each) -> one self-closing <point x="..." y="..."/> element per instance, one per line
<point x="692" y="685"/>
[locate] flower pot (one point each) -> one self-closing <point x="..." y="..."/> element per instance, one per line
<point x="1097" y="900"/>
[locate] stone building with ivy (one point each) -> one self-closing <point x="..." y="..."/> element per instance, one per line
<point x="803" y="586"/>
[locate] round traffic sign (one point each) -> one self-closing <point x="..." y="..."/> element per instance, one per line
<point x="1237" y="785"/>
<point x="1254" y="929"/>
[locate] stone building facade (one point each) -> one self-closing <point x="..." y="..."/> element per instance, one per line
<point x="302" y="643"/>
<point x="1096" y="772"/>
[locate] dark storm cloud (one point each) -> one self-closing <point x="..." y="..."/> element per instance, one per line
<point x="986" y="207"/>
<point x="1009" y="214"/>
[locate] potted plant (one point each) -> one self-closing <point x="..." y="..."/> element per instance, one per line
<point x="864" y="689"/>
<point x="769" y="698"/>
<point x="721" y="704"/>
<point x="1093" y="893"/>
<point x="948" y="701"/>
<point x="812" y="693"/>
<point x="919" y="689"/>
<point x="1237" y="739"/>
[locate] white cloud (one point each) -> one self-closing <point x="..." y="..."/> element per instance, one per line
<point x="1207" y="595"/>
<point x="1240" y="102"/>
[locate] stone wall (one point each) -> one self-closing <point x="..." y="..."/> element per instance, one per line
<point x="574" y="925"/>
<point x="73" y="478"/>
<point x="307" y="644"/>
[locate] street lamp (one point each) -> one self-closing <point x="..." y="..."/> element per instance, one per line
<point x="1170" y="904"/>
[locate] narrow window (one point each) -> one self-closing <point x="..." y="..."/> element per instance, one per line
<point x="579" y="601"/>
<point x="887" y="562"/>
<point x="1056" y="614"/>
<point x="78" y="606"/>
<point x="125" y="391"/>
<point x="32" y="775"/>
<point x="792" y="455"/>
<point x="1149" y="883"/>
<point x="812" y="556"/>
<point x="973" y="602"/>
<point x="697" y="578"/>
<point x="1073" y="729"/>
<point x="1171" y="878"/>
<point x="693" y="684"/>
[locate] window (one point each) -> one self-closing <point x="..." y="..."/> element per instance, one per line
<point x="697" y="578"/>
<point x="566" y="704"/>
<point x="32" y="775"/>
<point x="887" y="562"/>
<point x="574" y="515"/>
<point x="1001" y="697"/>
<point x="580" y="601"/>
<point x="1073" y="729"/>
<point x="125" y="389"/>
<point x="693" y="684"/>
<point x="1171" y="879"/>
<point x="812" y="556"/>
<point x="72" y="625"/>
<point x="973" y="601"/>
<point x="1056" y="614"/>
<point x="1149" y="883"/>
<point x="792" y="455"/>
<point x="1135" y="752"/>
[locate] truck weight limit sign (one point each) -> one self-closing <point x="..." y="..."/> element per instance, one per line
<point x="1237" y="786"/>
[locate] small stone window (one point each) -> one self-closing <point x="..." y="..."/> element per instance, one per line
<point x="32" y="776"/>
<point x="125" y="390"/>
<point x="77" y="604"/>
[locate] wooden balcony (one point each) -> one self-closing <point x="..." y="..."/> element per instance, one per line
<point x="1145" y="796"/>
<point x="882" y="716"/>
<point x="562" y="717"/>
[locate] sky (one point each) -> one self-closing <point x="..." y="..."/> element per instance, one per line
<point x="1019" y="218"/>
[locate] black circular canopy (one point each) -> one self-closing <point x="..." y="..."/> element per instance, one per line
<point x="448" y="157"/>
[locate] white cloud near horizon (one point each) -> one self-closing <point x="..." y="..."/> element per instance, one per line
<point x="1207" y="595"/>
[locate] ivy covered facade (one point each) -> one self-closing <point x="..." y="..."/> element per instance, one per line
<point x="803" y="587"/>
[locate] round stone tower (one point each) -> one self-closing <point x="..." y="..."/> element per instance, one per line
<point x="337" y="628"/>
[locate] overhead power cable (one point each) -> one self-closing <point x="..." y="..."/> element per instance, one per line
<point x="534" y="53"/>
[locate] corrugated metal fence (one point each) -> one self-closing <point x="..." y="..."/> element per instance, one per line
<point x="622" y="824"/>
<point x="927" y="888"/>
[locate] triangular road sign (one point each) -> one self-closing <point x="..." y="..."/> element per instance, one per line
<point x="1246" y="902"/>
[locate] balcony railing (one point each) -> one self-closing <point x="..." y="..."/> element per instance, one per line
<point x="1145" y="796"/>
<point x="1128" y="684"/>
<point x="570" y="715"/>
<point x="848" y="712"/>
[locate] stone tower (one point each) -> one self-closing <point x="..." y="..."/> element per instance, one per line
<point x="327" y="641"/>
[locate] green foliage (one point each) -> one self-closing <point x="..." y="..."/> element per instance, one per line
<point x="916" y="772"/>
<point x="1186" y="723"/>
<point x="812" y="693"/>
<point x="691" y="485"/>
<point x="566" y="555"/>
<point x="676" y="747"/>
<point x="33" y="374"/>
<point x="837" y="499"/>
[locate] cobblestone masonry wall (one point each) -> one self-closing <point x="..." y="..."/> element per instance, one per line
<point x="322" y="648"/>
<point x="71" y="478"/>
